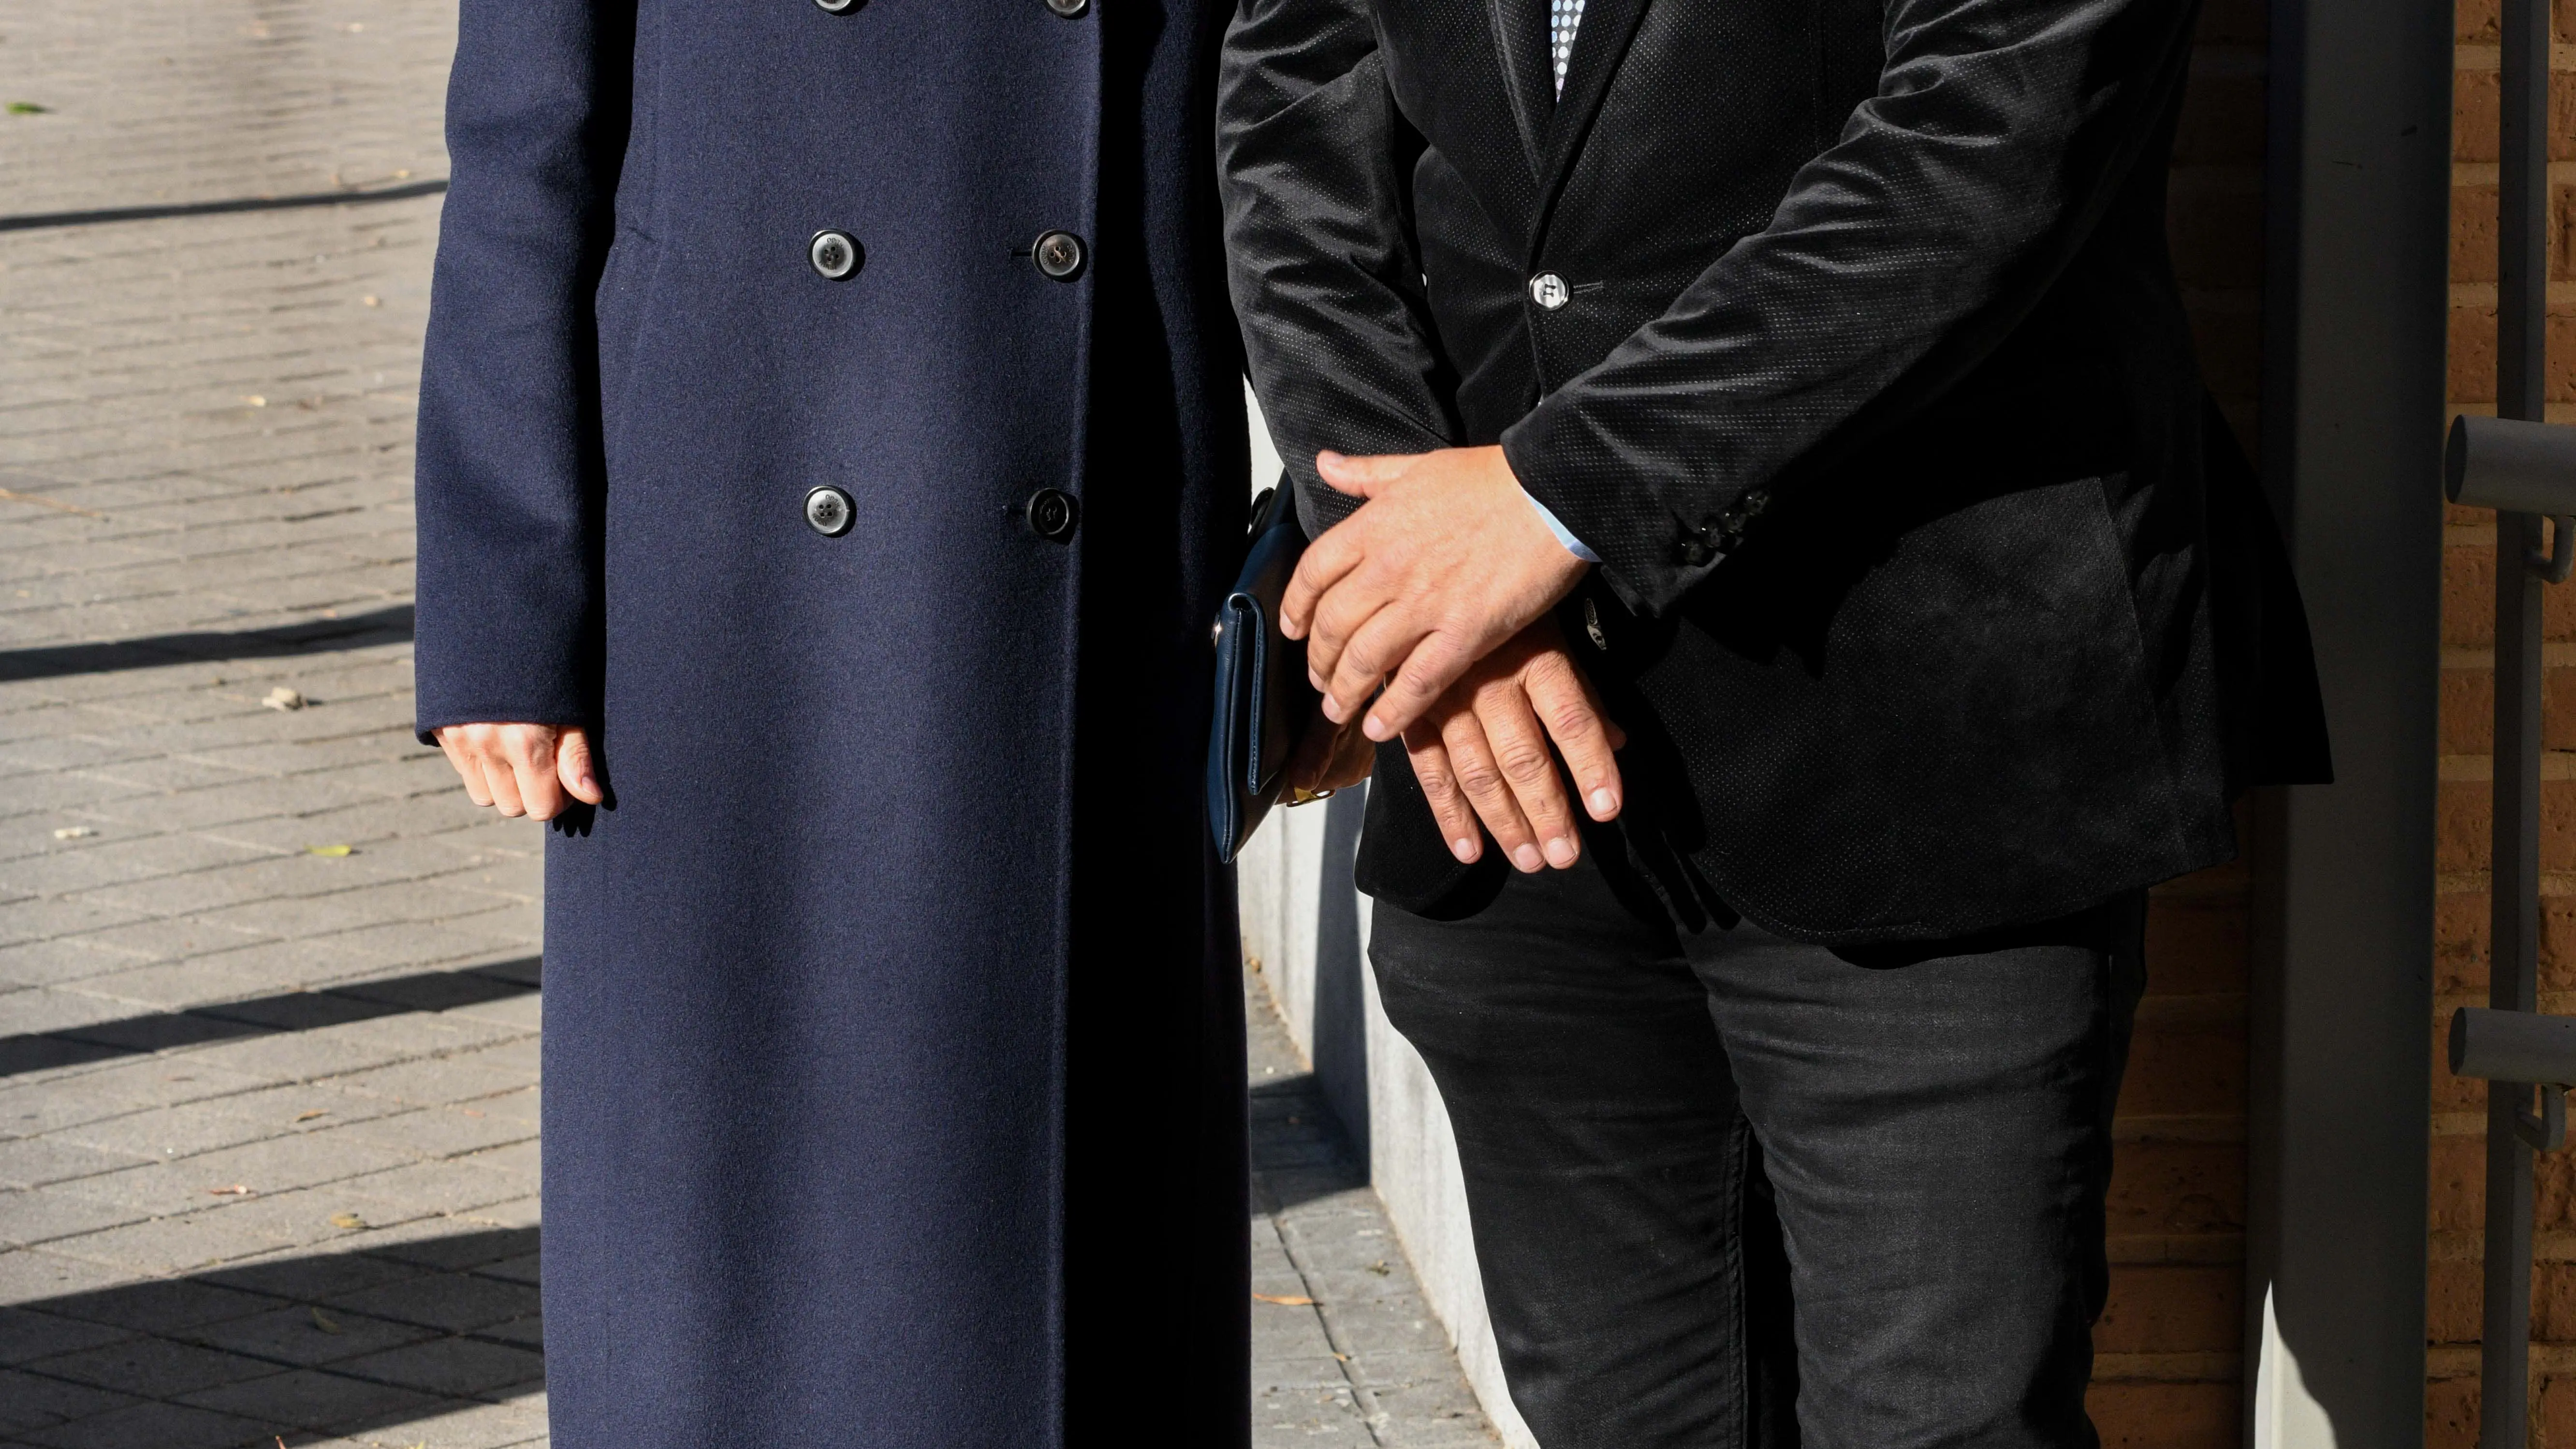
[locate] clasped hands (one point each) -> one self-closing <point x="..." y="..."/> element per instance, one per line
<point x="1438" y="588"/>
<point x="1425" y="616"/>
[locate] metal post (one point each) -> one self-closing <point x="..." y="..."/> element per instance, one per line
<point x="2522" y="296"/>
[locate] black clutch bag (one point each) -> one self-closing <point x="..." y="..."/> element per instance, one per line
<point x="1263" y="700"/>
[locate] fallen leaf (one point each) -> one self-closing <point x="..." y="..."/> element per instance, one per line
<point x="372" y="301"/>
<point x="468" y="1111"/>
<point x="236" y="1190"/>
<point x="309" y="1116"/>
<point x="347" y="1220"/>
<point x="1285" y="1300"/>
<point x="74" y="832"/>
<point x="255" y="400"/>
<point x="27" y="108"/>
<point x="1380" y="1269"/>
<point x="284" y="698"/>
<point x="334" y="851"/>
<point x="326" y="1322"/>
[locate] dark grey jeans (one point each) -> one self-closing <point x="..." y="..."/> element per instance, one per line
<point x="1730" y="1190"/>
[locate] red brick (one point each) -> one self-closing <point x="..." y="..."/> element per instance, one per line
<point x="2451" y="1414"/>
<point x="2168" y="1188"/>
<point x="2222" y="120"/>
<point x="2453" y="1302"/>
<point x="2172" y="1309"/>
<point x="2458" y="1174"/>
<point x="2166" y="1416"/>
<point x="2196" y="945"/>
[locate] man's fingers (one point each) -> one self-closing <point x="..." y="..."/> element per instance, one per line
<point x="1573" y="718"/>
<point x="1377" y="646"/>
<point x="1440" y="787"/>
<point x="1361" y="477"/>
<point x="1480" y="779"/>
<point x="1529" y="768"/>
<point x="574" y="768"/>
<point x="1345" y="612"/>
<point x="1320" y="567"/>
<point x="1434" y="663"/>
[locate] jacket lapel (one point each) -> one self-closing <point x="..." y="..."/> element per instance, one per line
<point x="1600" y="43"/>
<point x="1520" y="39"/>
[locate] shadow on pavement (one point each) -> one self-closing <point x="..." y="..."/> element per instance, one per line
<point x="267" y="1015"/>
<point x="294" y="1349"/>
<point x="1299" y="1150"/>
<point x="380" y="626"/>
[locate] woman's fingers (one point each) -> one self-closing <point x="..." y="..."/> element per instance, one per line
<point x="573" y="766"/>
<point x="501" y="783"/>
<point x="1439" y="782"/>
<point x="523" y="769"/>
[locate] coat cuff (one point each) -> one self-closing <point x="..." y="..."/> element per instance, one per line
<point x="1586" y="484"/>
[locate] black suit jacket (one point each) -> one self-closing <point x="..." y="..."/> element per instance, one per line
<point x="1934" y="594"/>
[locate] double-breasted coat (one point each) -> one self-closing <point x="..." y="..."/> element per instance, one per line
<point x="892" y="1053"/>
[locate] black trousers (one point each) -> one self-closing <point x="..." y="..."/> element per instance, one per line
<point x="1731" y="1190"/>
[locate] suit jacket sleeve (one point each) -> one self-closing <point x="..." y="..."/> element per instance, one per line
<point x="1320" y="256"/>
<point x="1999" y="132"/>
<point x="509" y="484"/>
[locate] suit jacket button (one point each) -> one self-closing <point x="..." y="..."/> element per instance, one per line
<point x="1696" y="552"/>
<point x="1069" y="9"/>
<point x="828" y="511"/>
<point x="1059" y="255"/>
<point x="1549" y="290"/>
<point x="835" y="255"/>
<point x="1052" y="514"/>
<point x="837" y="7"/>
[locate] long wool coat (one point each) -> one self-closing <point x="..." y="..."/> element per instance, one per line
<point x="893" y="1057"/>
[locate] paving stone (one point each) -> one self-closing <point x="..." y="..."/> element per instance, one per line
<point x="27" y="1334"/>
<point x="307" y="1398"/>
<point x="149" y="1426"/>
<point x="296" y="1335"/>
<point x="454" y="1366"/>
<point x="152" y="1367"/>
<point x="33" y="1401"/>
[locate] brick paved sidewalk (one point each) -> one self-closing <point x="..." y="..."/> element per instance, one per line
<point x="268" y="985"/>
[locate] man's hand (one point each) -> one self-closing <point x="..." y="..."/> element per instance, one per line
<point x="1446" y="560"/>
<point x="523" y="769"/>
<point x="1330" y="757"/>
<point x="1484" y="744"/>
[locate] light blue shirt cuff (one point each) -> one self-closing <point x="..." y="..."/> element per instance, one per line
<point x="1564" y="535"/>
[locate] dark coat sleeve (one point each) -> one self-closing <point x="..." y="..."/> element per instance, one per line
<point x="1311" y="160"/>
<point x="2000" y="131"/>
<point x="509" y="481"/>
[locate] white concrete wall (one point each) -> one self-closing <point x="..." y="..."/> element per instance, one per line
<point x="1308" y="927"/>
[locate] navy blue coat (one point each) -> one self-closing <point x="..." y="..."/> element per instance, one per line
<point x="893" y="1038"/>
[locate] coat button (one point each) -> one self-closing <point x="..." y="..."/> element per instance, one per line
<point x="835" y="254"/>
<point x="1696" y="552"/>
<point x="1549" y="290"/>
<point x="1068" y="8"/>
<point x="827" y="511"/>
<point x="1052" y="513"/>
<point x="1059" y="255"/>
<point x="836" y="7"/>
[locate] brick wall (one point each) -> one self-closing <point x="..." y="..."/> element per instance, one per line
<point x="2457" y="1210"/>
<point x="2167" y="1375"/>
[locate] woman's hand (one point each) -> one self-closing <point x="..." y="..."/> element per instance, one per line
<point x="1482" y="752"/>
<point x="523" y="769"/>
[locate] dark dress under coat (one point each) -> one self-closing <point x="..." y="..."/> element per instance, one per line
<point x="893" y="1039"/>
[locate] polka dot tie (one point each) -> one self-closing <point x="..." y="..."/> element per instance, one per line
<point x="1562" y="17"/>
